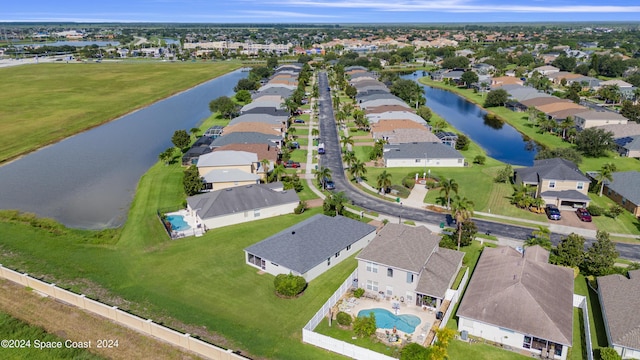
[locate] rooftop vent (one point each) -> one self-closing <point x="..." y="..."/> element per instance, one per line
<point x="293" y="233"/>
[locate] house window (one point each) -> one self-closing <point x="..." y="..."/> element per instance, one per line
<point x="418" y="160"/>
<point x="552" y="184"/>
<point x="328" y="261"/>
<point x="580" y="186"/>
<point x="389" y="290"/>
<point x="608" y="191"/>
<point x="372" y="285"/>
<point x="338" y="254"/>
<point x="256" y="213"/>
<point x="348" y="247"/>
<point x="373" y="268"/>
<point x="624" y="201"/>
<point x="527" y="342"/>
<point x="409" y="278"/>
<point x="409" y="297"/>
<point x="390" y="272"/>
<point x="460" y="161"/>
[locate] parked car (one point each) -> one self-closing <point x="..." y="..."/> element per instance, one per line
<point x="298" y="121"/>
<point x="583" y="214"/>
<point x="329" y="184"/>
<point x="552" y="212"/>
<point x="294" y="145"/>
<point x="292" y="164"/>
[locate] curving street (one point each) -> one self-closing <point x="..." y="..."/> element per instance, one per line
<point x="333" y="160"/>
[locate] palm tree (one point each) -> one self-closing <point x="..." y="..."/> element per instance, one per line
<point x="566" y="124"/>
<point x="357" y="169"/>
<point x="461" y="210"/>
<point x="290" y="105"/>
<point x="336" y="101"/>
<point x="278" y="171"/>
<point x="346" y="140"/>
<point x="606" y="173"/>
<point x="166" y="156"/>
<point x="291" y="132"/>
<point x="321" y="174"/>
<point x="349" y="158"/>
<point x="537" y="202"/>
<point x="384" y="180"/>
<point x="541" y="236"/>
<point x="194" y="131"/>
<point x="448" y="186"/>
<point x="315" y="132"/>
<point x="265" y="166"/>
<point x="341" y="116"/>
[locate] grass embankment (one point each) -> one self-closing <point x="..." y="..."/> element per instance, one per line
<point x="42" y="104"/>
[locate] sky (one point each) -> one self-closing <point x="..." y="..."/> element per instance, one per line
<point x="320" y="11"/>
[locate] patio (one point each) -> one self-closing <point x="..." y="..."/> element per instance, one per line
<point x="195" y="227"/>
<point x="353" y="306"/>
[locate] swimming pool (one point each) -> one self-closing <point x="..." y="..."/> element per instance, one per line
<point x="178" y="223"/>
<point x="385" y="319"/>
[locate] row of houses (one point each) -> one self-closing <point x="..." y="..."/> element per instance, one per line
<point x="234" y="160"/>
<point x="408" y="139"/>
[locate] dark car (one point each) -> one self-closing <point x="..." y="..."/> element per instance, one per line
<point x="583" y="215"/>
<point x="552" y="212"/>
<point x="329" y="184"/>
<point x="294" y="145"/>
<point x="292" y="164"/>
<point x="298" y="121"/>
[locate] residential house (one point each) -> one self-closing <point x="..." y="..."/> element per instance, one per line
<point x="240" y="204"/>
<point x="592" y="118"/>
<point x="223" y="169"/>
<point x="619" y="131"/>
<point x="406" y="262"/>
<point x="505" y="80"/>
<point x="247" y="138"/>
<point x="274" y="120"/>
<point x="625" y="190"/>
<point x="262" y="151"/>
<point x="423" y="154"/>
<point x="618" y="296"/>
<point x="547" y="69"/>
<point x="311" y="247"/>
<point x="628" y="146"/>
<point x="214" y="131"/>
<point x="258" y="127"/>
<point x="626" y="89"/>
<point x="521" y="301"/>
<point x="557" y="181"/>
<point x="200" y="147"/>
<point x="395" y="115"/>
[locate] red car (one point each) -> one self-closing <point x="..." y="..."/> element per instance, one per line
<point x="292" y="164"/>
<point x="583" y="215"/>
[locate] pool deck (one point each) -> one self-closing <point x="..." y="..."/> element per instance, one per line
<point x="194" y="230"/>
<point x="427" y="316"/>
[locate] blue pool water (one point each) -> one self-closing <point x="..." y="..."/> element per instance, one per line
<point x="387" y="320"/>
<point x="178" y="223"/>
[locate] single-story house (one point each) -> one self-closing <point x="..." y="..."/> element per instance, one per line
<point x="547" y="69"/>
<point x="406" y="262"/>
<point x="625" y="190"/>
<point x="520" y="300"/>
<point x="628" y="146"/>
<point x="374" y="103"/>
<point x="240" y="204"/>
<point x="230" y="159"/>
<point x="218" y="179"/>
<point x="396" y="115"/>
<point x="388" y="108"/>
<point x="262" y="151"/>
<point x="618" y="296"/>
<point x="619" y="131"/>
<point x="259" y="127"/>
<point x="246" y="138"/>
<point x="422" y="154"/>
<point x="200" y="147"/>
<point x="273" y="120"/>
<point x="557" y="181"/>
<point x="592" y="118"/>
<point x="311" y="247"/>
<point x="405" y="136"/>
<point x="505" y="80"/>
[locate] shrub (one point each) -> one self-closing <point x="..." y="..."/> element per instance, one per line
<point x="344" y="319"/>
<point x="365" y="326"/>
<point x="358" y="293"/>
<point x="431" y="184"/>
<point x="609" y="354"/>
<point x="595" y="210"/>
<point x="402" y="191"/>
<point x="480" y="160"/>
<point x="302" y="206"/>
<point x="408" y="182"/>
<point x="614" y="211"/>
<point x="289" y="285"/>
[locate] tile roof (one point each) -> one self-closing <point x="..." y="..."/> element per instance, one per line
<point x="558" y="106"/>
<point x="518" y="293"/>
<point x="619" y="294"/>
<point x="310" y="242"/>
<point x="543" y="101"/>
<point x="239" y="199"/>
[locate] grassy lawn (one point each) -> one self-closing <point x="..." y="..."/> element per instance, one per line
<point x="299" y="155"/>
<point x="478" y="351"/>
<point x="45" y="103"/>
<point x="624" y="223"/>
<point x="362" y="152"/>
<point x="347" y="335"/>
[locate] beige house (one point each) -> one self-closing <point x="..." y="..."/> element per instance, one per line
<point x="617" y="295"/>
<point x="557" y="181"/>
<point x="406" y="263"/>
<point x="224" y="169"/>
<point x="592" y="118"/>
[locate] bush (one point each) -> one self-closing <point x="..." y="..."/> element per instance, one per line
<point x="302" y="206"/>
<point x="431" y="184"/>
<point x="358" y="293"/>
<point x="402" y="191"/>
<point x="365" y="326"/>
<point x="409" y="182"/>
<point x="595" y="210"/>
<point x="614" y="211"/>
<point x="344" y="319"/>
<point x="480" y="160"/>
<point x="289" y="285"/>
<point x="609" y="354"/>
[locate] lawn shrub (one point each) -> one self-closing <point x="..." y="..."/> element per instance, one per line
<point x="430" y="184"/>
<point x="409" y="182"/>
<point x="595" y="210"/>
<point x="289" y="285"/>
<point x="401" y="191"/>
<point x="344" y="319"/>
<point x="614" y="211"/>
<point x="358" y="293"/>
<point x="302" y="206"/>
<point x="365" y="326"/>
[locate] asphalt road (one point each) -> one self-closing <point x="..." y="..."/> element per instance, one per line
<point x="332" y="159"/>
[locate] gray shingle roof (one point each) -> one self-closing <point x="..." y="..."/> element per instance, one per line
<point x="261" y="118"/>
<point x="439" y="272"/>
<point x="550" y="169"/>
<point x="619" y="295"/>
<point x="239" y="199"/>
<point x="417" y="151"/>
<point x="566" y="195"/>
<point x="629" y="142"/>
<point x="513" y="292"/>
<point x="244" y="138"/>
<point x="229" y="175"/>
<point x="310" y="242"/>
<point x="627" y="184"/>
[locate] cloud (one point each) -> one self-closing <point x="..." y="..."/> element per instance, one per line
<point x="283" y="15"/>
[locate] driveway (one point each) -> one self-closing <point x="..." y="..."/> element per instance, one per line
<point x="569" y="218"/>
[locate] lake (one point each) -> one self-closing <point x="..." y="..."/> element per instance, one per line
<point x="89" y="180"/>
<point x="500" y="140"/>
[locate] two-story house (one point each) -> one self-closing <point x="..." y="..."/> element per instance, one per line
<point x="557" y="181"/>
<point x="224" y="169"/>
<point x="406" y="262"/>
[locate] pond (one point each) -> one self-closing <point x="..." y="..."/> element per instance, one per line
<point x="89" y="180"/>
<point x="500" y="140"/>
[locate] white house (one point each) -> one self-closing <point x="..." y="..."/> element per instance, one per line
<point x="240" y="204"/>
<point x="310" y="247"/>
<point x="617" y="295"/>
<point x="520" y="300"/>
<point x="406" y="262"/>
<point x="592" y="118"/>
<point x="422" y="154"/>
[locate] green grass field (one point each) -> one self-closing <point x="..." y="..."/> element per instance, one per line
<point x="42" y="104"/>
